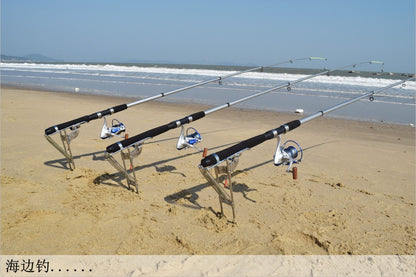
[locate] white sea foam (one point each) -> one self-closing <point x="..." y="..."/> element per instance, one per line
<point x="118" y="70"/>
<point x="395" y="105"/>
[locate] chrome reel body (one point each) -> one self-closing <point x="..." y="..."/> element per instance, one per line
<point x="287" y="154"/>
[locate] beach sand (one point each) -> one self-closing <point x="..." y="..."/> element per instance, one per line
<point x="355" y="192"/>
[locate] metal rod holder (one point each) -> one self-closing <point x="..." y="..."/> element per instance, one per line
<point x="128" y="173"/>
<point x="66" y="142"/>
<point x="217" y="185"/>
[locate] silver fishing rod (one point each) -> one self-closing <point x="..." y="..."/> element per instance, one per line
<point x="85" y="119"/>
<point x="118" y="146"/>
<point x="117" y="128"/>
<point x="218" y="79"/>
<point x="188" y="140"/>
<point x="369" y="95"/>
<point x="287" y="153"/>
<point x="288" y="85"/>
<point x="220" y="156"/>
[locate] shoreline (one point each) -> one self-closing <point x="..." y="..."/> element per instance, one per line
<point x="223" y="67"/>
<point x="208" y="106"/>
<point x="354" y="195"/>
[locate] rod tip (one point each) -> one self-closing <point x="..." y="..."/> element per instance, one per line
<point x="318" y="58"/>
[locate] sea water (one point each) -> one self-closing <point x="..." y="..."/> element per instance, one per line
<point x="137" y="81"/>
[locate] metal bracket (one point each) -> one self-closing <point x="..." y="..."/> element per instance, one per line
<point x="66" y="142"/>
<point x="129" y="173"/>
<point x="218" y="186"/>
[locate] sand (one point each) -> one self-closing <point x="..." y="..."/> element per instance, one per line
<point x="355" y="192"/>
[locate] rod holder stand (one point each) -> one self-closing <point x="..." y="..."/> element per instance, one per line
<point x="127" y="169"/>
<point x="215" y="182"/>
<point x="65" y="149"/>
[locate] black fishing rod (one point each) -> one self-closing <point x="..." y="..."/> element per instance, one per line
<point x="188" y="140"/>
<point x="283" y="155"/>
<point x="117" y="127"/>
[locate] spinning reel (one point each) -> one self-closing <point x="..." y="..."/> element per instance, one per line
<point x="188" y="140"/>
<point x="287" y="155"/>
<point x="115" y="130"/>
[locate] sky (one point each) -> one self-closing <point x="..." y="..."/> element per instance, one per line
<point x="212" y="32"/>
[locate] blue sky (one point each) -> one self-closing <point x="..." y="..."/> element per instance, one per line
<point x="212" y="32"/>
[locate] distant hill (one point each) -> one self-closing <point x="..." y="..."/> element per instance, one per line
<point x="28" y="58"/>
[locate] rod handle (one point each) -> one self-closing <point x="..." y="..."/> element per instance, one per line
<point x="249" y="143"/>
<point x="83" y="119"/>
<point x="223" y="154"/>
<point x="56" y="128"/>
<point x="132" y="140"/>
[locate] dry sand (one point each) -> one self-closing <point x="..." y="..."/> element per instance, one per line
<point x="355" y="192"/>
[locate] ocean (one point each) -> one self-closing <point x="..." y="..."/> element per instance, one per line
<point x="137" y="81"/>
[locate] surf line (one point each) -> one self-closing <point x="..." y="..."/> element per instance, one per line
<point x="117" y="128"/>
<point x="285" y="154"/>
<point x="185" y="140"/>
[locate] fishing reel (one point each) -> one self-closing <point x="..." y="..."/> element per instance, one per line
<point x="115" y="130"/>
<point x="188" y="140"/>
<point x="288" y="153"/>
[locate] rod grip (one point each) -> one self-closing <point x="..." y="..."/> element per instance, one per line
<point x="53" y="129"/>
<point x="190" y="118"/>
<point x="249" y="143"/>
<point x="198" y="115"/>
<point x="109" y="111"/>
<point x="127" y="142"/>
<point x="293" y="124"/>
<point x="223" y="154"/>
<point x="83" y="119"/>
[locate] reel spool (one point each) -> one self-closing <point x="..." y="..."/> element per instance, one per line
<point x="115" y="130"/>
<point x="188" y="140"/>
<point x="287" y="155"/>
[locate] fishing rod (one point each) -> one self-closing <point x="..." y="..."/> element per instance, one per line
<point x="188" y="140"/>
<point x="284" y="155"/>
<point x="117" y="128"/>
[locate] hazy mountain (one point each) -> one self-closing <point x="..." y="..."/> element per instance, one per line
<point x="28" y="58"/>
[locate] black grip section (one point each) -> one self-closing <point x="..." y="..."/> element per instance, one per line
<point x="249" y="143"/>
<point x="108" y="111"/>
<point x="209" y="160"/>
<point x="148" y="134"/>
<point x="62" y="126"/>
<point x="194" y="116"/>
<point x="223" y="154"/>
<point x="50" y="131"/>
<point x="113" y="148"/>
<point x="86" y="118"/>
<point x="120" y="108"/>
<point x="198" y="115"/>
<point x="293" y="124"/>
